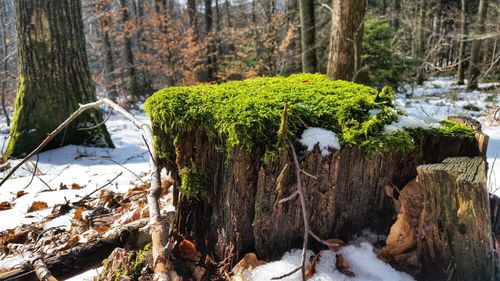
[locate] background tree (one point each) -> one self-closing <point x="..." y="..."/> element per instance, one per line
<point x="346" y="37"/>
<point x="54" y="78"/>
<point x="308" y="36"/>
<point x="474" y="68"/>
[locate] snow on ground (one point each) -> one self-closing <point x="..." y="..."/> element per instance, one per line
<point x="90" y="168"/>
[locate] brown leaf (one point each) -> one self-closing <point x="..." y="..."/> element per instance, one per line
<point x="78" y="214"/>
<point x="75" y="186"/>
<point x="102" y="228"/>
<point x="337" y="244"/>
<point x="37" y="205"/>
<point x="343" y="266"/>
<point x="311" y="269"/>
<point x="188" y="251"/>
<point x="21" y="193"/>
<point x="5" y="206"/>
<point x="166" y="183"/>
<point x="18" y="236"/>
<point x="248" y="262"/>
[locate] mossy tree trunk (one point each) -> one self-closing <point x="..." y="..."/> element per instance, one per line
<point x="233" y="208"/>
<point x="54" y="78"/>
<point x="344" y="56"/>
<point x="455" y="237"/>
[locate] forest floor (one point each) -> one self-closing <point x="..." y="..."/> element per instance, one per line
<point x="68" y="174"/>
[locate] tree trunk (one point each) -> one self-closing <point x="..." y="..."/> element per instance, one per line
<point x="211" y="48"/>
<point x="109" y="64"/>
<point x="344" y="56"/>
<point x="239" y="211"/>
<point x="421" y="41"/>
<point x="475" y="51"/>
<point x="455" y="241"/>
<point x="228" y="13"/>
<point x="308" y="36"/>
<point x="4" y="77"/>
<point x="53" y="74"/>
<point x="191" y="8"/>
<point x="395" y="16"/>
<point x="132" y="86"/>
<point x="463" y="39"/>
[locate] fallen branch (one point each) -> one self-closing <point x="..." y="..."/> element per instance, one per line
<point x="159" y="226"/>
<point x="88" y="255"/>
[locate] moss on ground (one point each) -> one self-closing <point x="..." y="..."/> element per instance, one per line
<point x="248" y="113"/>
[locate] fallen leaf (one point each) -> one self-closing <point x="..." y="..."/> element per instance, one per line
<point x="78" y="214"/>
<point x="75" y="186"/>
<point x="37" y="205"/>
<point x="248" y="262"/>
<point x="188" y="251"/>
<point x="5" y="206"/>
<point x="18" y="236"/>
<point x="21" y="193"/>
<point x="311" y="269"/>
<point x="336" y="244"/>
<point x="343" y="266"/>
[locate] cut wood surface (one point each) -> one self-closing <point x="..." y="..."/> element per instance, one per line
<point x="454" y="240"/>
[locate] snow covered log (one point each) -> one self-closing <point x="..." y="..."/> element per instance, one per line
<point x="221" y="143"/>
<point x="455" y="236"/>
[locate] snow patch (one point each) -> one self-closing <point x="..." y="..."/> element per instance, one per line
<point x="325" y="139"/>
<point x="408" y="122"/>
<point x="361" y="258"/>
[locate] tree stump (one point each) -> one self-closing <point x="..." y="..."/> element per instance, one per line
<point x="230" y="189"/>
<point x="454" y="238"/>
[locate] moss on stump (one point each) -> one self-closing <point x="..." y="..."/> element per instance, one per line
<point x="222" y="144"/>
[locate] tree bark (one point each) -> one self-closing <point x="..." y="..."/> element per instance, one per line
<point x="53" y="74"/>
<point x="474" y="68"/>
<point x="455" y="241"/>
<point x="308" y="36"/>
<point x="344" y="56"/>
<point x="239" y="212"/>
<point x="463" y="40"/>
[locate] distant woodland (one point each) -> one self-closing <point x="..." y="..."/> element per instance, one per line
<point x="135" y="47"/>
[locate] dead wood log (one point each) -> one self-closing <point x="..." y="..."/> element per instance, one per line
<point x="89" y="255"/>
<point x="454" y="236"/>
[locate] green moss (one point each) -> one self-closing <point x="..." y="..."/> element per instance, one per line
<point x="140" y="259"/>
<point x="192" y="183"/>
<point x="248" y="113"/>
<point x="453" y="128"/>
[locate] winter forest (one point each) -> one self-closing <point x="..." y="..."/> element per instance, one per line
<point x="250" y="140"/>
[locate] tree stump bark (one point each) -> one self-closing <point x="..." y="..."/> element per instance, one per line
<point x="238" y="211"/>
<point x="454" y="238"/>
